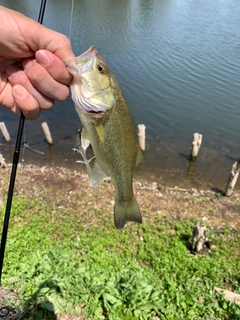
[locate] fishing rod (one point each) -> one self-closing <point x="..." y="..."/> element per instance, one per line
<point x="14" y="168"/>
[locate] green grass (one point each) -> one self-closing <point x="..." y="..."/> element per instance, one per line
<point x="141" y="272"/>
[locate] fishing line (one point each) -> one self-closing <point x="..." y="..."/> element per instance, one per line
<point x="71" y="19"/>
<point x="78" y="123"/>
<point x="14" y="168"/>
<point x="70" y="33"/>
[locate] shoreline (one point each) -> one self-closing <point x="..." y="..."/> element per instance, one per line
<point x="71" y="189"/>
<point x="165" y="163"/>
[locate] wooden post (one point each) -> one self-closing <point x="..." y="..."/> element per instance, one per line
<point x="47" y="132"/>
<point x="199" y="239"/>
<point x="141" y="135"/>
<point x="5" y="132"/>
<point x="1" y="201"/>
<point x="2" y="161"/>
<point x="232" y="178"/>
<point x="196" y="144"/>
<point x="229" y="295"/>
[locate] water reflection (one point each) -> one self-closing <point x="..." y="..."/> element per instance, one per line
<point x="178" y="65"/>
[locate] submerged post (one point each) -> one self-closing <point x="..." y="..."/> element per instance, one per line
<point x="5" y="133"/>
<point x="232" y="178"/>
<point x="47" y="132"/>
<point x="196" y="144"/>
<point x="2" y="161"/>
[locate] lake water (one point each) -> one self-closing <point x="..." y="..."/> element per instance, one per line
<point x="178" y="63"/>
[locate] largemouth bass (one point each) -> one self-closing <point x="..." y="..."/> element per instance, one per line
<point x="109" y="126"/>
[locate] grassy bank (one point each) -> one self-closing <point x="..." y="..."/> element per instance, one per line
<point x="65" y="260"/>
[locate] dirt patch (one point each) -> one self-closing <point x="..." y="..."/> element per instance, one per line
<point x="6" y="312"/>
<point x="71" y="190"/>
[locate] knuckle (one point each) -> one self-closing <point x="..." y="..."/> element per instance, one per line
<point x="66" y="41"/>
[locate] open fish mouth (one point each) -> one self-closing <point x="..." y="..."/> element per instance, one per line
<point x="90" y="87"/>
<point x="81" y="63"/>
<point x="77" y="67"/>
<point x="84" y="61"/>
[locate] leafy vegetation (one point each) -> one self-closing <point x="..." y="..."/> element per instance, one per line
<point x="141" y="272"/>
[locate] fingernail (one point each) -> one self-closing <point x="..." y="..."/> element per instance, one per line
<point x="20" y="91"/>
<point x="43" y="57"/>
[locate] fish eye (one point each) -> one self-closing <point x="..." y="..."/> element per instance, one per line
<point x="100" y="68"/>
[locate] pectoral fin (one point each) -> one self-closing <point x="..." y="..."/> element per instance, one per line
<point x="98" y="175"/>
<point x="100" y="130"/>
<point x="85" y="142"/>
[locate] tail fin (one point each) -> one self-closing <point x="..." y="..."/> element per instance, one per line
<point x="126" y="211"/>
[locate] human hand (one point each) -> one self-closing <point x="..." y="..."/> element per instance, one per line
<point x="27" y="83"/>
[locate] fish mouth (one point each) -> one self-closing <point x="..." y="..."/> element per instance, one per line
<point x="86" y="56"/>
<point x="82" y="62"/>
<point x="83" y="94"/>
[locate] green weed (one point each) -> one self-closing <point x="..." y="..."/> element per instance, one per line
<point x="141" y="272"/>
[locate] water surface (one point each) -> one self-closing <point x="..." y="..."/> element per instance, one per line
<point x="178" y="63"/>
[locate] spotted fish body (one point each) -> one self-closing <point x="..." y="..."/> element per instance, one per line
<point x="109" y="126"/>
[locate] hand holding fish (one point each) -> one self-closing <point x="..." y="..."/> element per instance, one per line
<point x="32" y="70"/>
